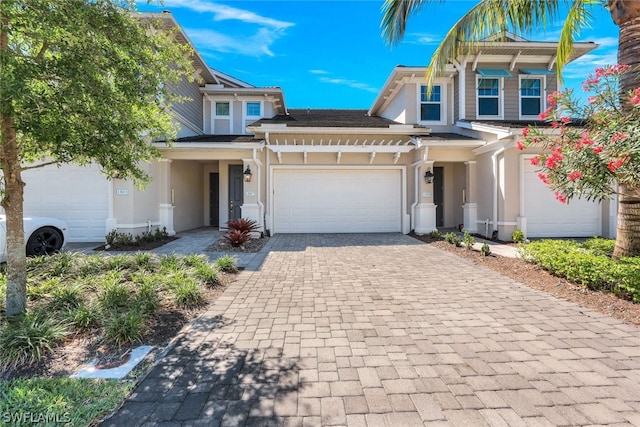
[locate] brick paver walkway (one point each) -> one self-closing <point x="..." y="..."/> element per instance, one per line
<point x="374" y="330"/>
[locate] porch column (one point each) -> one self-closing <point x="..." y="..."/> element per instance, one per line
<point x="425" y="210"/>
<point x="165" y="208"/>
<point x="250" y="208"/>
<point x="470" y="206"/>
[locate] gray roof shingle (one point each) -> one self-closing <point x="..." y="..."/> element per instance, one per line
<point x="328" y="118"/>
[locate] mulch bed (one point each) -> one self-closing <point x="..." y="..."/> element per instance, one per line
<point x="252" y="245"/>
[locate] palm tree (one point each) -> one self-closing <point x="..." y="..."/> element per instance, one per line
<point x="490" y="17"/>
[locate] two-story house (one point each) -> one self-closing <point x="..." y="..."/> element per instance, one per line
<point x="416" y="160"/>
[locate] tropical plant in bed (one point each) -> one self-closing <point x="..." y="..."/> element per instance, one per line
<point x="227" y="264"/>
<point x="237" y="238"/>
<point x="243" y="224"/>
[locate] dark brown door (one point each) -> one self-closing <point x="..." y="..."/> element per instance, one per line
<point x="236" y="188"/>
<point x="214" y="199"/>
<point x="438" y="194"/>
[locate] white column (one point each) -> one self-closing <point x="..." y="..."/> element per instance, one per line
<point x="470" y="206"/>
<point x="425" y="210"/>
<point x="250" y="208"/>
<point x="165" y="208"/>
<point x="112" y="222"/>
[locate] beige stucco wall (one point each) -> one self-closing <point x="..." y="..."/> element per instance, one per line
<point x="484" y="173"/>
<point x="139" y="206"/>
<point x="186" y="182"/>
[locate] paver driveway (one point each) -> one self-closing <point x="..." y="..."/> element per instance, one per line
<point x="384" y="330"/>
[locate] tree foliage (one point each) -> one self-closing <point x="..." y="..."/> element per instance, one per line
<point x="590" y="160"/>
<point x="80" y="81"/>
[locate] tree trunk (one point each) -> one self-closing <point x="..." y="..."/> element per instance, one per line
<point x="12" y="198"/>
<point x="628" y="228"/>
<point x="628" y="238"/>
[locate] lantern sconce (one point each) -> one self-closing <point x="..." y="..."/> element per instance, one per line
<point x="428" y="176"/>
<point x="247" y="174"/>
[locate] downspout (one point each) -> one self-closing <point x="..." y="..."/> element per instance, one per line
<point x="259" y="174"/>
<point x="494" y="163"/>
<point x="267" y="169"/>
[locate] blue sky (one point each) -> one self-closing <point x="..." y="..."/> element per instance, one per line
<point x="330" y="54"/>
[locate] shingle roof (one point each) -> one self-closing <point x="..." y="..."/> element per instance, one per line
<point x="328" y="118"/>
<point x="523" y="123"/>
<point x="219" y="138"/>
<point x="447" y="135"/>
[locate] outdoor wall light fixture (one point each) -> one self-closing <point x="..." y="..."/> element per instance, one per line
<point x="247" y="174"/>
<point x="428" y="176"/>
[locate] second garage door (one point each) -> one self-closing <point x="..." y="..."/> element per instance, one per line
<point x="546" y="217"/>
<point x="337" y="200"/>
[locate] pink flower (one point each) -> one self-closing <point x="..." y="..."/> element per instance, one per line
<point x="597" y="150"/>
<point x="614" y="166"/>
<point x="550" y="163"/>
<point x="535" y="161"/>
<point x="555" y="125"/>
<point x="592" y="99"/>
<point x="585" y="139"/>
<point x="552" y="99"/>
<point x="565" y="120"/>
<point x="635" y="97"/>
<point x="560" y="197"/>
<point x="575" y="175"/>
<point x="525" y="132"/>
<point x="520" y="145"/>
<point x="620" y="136"/>
<point x="544" y="178"/>
<point x="545" y="114"/>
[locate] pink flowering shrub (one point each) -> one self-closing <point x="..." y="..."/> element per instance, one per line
<point x="587" y="160"/>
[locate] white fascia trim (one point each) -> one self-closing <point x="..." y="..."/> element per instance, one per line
<point x="453" y="143"/>
<point x="341" y="148"/>
<point x="391" y="130"/>
<point x="499" y="132"/>
<point x="258" y="91"/>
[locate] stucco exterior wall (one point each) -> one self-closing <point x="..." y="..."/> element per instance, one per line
<point x="397" y="107"/>
<point x="137" y="207"/>
<point x="186" y="182"/>
<point x="485" y="190"/>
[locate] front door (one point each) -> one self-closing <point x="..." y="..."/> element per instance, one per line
<point x="438" y="194"/>
<point x="236" y="188"/>
<point x="214" y="199"/>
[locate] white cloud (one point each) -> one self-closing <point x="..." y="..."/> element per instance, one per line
<point x="256" y="38"/>
<point x="258" y="44"/>
<point x="223" y="13"/>
<point x="318" y="72"/>
<point x="351" y="83"/>
<point x="423" y="39"/>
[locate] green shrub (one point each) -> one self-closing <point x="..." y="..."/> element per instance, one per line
<point x="194" y="260"/>
<point x="187" y="293"/>
<point x="435" y="234"/>
<point x="114" y="295"/>
<point x="485" y="249"/>
<point x="125" y="328"/>
<point x="62" y="264"/>
<point x="170" y="262"/>
<point x="85" y="316"/>
<point x="66" y="298"/>
<point x="39" y="289"/>
<point x="227" y="264"/>
<point x="208" y="274"/>
<point x="147" y="299"/>
<point x="468" y="240"/>
<point x="517" y="236"/>
<point x="27" y="339"/>
<point x="452" y="238"/>
<point x="587" y="264"/>
<point x="599" y="246"/>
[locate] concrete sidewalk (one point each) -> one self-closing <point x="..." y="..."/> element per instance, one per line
<point x="382" y="330"/>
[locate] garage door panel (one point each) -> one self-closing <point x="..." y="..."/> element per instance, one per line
<point x="343" y="200"/>
<point x="546" y="217"/>
<point x="75" y="194"/>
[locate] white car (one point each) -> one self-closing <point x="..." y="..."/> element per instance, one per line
<point x="43" y="236"/>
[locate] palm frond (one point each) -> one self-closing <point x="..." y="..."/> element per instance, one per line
<point x="578" y="17"/>
<point x="395" y="15"/>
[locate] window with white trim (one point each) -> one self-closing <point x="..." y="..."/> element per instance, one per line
<point x="222" y="109"/>
<point x="253" y="109"/>
<point x="431" y="104"/>
<point x="489" y="97"/>
<point x="531" y="96"/>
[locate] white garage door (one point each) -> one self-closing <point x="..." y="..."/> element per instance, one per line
<point x="337" y="200"/>
<point x="75" y="194"/>
<point x="547" y="217"/>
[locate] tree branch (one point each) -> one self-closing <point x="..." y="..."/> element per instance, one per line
<point x="38" y="166"/>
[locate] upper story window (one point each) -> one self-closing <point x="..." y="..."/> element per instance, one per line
<point x="531" y="96"/>
<point x="490" y="97"/>
<point x="222" y="108"/>
<point x="432" y="105"/>
<point x="253" y="109"/>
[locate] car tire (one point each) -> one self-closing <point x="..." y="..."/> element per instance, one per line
<point x="44" y="241"/>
